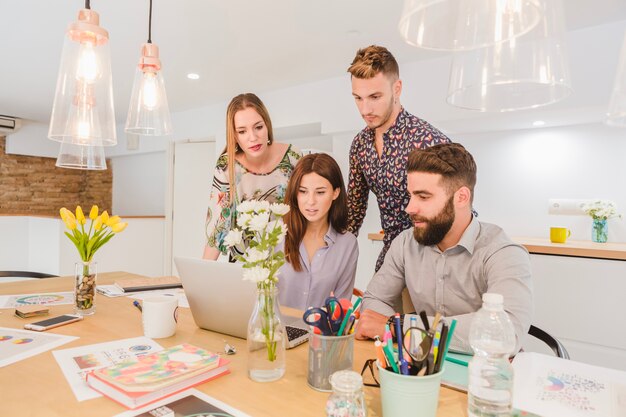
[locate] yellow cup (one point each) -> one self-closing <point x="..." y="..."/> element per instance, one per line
<point x="559" y="234"/>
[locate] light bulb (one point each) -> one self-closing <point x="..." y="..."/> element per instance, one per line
<point x="150" y="91"/>
<point x="87" y="63"/>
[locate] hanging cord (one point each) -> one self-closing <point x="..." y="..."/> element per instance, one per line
<point x="150" y="24"/>
<point x="87" y="4"/>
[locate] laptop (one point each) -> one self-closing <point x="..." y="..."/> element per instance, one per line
<point x="221" y="301"/>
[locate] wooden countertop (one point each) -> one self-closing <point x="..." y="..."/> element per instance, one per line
<point x="36" y="386"/>
<point x="575" y="248"/>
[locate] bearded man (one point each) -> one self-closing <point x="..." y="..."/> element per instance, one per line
<point x="449" y="259"/>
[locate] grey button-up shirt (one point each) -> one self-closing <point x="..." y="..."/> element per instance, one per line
<point x="452" y="282"/>
<point x="333" y="268"/>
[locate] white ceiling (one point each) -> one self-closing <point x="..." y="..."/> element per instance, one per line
<point x="235" y="45"/>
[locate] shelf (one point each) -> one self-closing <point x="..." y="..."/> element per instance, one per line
<point x="576" y="248"/>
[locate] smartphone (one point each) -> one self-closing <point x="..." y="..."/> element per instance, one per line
<point x="40" y="326"/>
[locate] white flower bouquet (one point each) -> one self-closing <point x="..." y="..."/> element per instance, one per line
<point x="262" y="228"/>
<point x="601" y="209"/>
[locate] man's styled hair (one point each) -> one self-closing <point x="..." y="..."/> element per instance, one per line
<point x="451" y="160"/>
<point x="369" y="61"/>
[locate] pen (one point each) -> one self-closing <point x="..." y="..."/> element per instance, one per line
<point x="136" y="304"/>
<point x="450" y="333"/>
<point x="380" y="354"/>
<point x="344" y="322"/>
<point x="392" y="361"/>
<point x="403" y="365"/>
<point x="442" y="344"/>
<point x="457" y="361"/>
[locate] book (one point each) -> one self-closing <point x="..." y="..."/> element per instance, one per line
<point x="31" y="311"/>
<point x="147" y="284"/>
<point x="157" y="375"/>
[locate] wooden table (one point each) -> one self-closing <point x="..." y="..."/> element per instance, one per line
<point x="37" y="387"/>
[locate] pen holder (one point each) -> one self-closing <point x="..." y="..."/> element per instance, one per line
<point x="401" y="395"/>
<point x="328" y="354"/>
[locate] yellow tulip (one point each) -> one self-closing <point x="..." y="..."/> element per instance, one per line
<point x="119" y="227"/>
<point x="98" y="223"/>
<point x="80" y="216"/>
<point x="104" y="217"/>
<point x="113" y="220"/>
<point x="70" y="223"/>
<point x="94" y="212"/>
<point x="62" y="212"/>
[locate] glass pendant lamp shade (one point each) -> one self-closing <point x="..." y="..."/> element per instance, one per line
<point x="522" y="73"/>
<point x="148" y="112"/>
<point x="616" y="115"/>
<point x="83" y="103"/>
<point x="76" y="156"/>
<point x="456" y="25"/>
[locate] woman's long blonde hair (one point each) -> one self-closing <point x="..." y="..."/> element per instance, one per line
<point x="238" y="103"/>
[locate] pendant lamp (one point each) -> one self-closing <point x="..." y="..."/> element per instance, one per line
<point x="148" y="112"/>
<point x="616" y="115"/>
<point x="83" y="113"/>
<point x="522" y="73"/>
<point x="457" y="25"/>
<point x="77" y="156"/>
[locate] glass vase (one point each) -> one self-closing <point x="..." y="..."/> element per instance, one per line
<point x="599" y="230"/>
<point x="266" y="338"/>
<point x="85" y="288"/>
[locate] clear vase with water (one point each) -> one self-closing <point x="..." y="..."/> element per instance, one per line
<point x="266" y="338"/>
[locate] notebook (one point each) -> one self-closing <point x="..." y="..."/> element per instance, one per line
<point x="221" y="301"/>
<point x="157" y="375"/>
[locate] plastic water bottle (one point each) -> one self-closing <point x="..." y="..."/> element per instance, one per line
<point x="492" y="336"/>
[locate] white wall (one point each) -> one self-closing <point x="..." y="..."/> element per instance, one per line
<point x="518" y="171"/>
<point x="14" y="252"/>
<point x="139" y="184"/>
<point x="38" y="244"/>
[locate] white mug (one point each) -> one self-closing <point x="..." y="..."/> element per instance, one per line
<point x="160" y="314"/>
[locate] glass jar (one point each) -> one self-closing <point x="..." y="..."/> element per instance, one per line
<point x="599" y="231"/>
<point x="85" y="288"/>
<point x="347" y="399"/>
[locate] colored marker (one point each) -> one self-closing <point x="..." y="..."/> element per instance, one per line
<point x="136" y="304"/>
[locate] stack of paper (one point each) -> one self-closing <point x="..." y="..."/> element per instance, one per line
<point x="555" y="387"/>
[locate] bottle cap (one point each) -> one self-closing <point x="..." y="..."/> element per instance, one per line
<point x="346" y="381"/>
<point x="493" y="298"/>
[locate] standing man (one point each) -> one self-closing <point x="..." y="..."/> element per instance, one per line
<point x="379" y="152"/>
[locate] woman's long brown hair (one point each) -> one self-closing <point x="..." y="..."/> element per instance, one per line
<point x="324" y="166"/>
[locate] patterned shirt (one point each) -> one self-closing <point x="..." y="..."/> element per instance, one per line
<point x="222" y="214"/>
<point x="385" y="176"/>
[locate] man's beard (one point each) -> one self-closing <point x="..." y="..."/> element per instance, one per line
<point x="437" y="227"/>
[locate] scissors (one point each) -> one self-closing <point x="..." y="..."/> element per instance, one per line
<point x="327" y="318"/>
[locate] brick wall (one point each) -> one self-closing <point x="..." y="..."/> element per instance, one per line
<point x="34" y="185"/>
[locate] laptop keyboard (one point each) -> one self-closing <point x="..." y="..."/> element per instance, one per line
<point x="295" y="332"/>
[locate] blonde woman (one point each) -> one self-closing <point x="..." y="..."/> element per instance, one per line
<point x="252" y="167"/>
